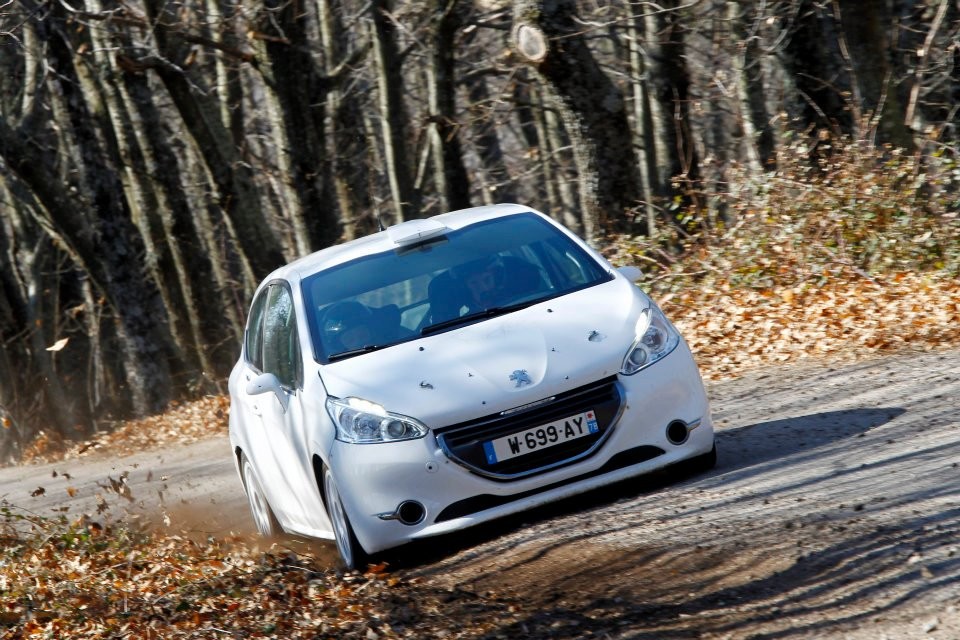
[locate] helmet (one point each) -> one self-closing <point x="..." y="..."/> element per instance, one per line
<point x="464" y="271"/>
<point x="343" y="316"/>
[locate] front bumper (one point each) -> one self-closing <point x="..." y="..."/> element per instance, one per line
<point x="375" y="479"/>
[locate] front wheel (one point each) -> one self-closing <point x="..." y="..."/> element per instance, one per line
<point x="352" y="554"/>
<point x="263" y="516"/>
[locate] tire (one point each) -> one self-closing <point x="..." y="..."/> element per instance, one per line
<point x="351" y="553"/>
<point x="263" y="516"/>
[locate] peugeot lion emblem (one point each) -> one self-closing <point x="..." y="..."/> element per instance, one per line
<point x="520" y="377"/>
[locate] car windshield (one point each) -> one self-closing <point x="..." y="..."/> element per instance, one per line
<point x="467" y="275"/>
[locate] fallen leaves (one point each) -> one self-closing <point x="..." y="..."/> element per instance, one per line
<point x="132" y="586"/>
<point x="185" y="422"/>
<point x="97" y="577"/>
<point x="732" y="330"/>
<point x="119" y="486"/>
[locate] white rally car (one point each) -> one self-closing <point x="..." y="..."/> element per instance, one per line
<point x="449" y="371"/>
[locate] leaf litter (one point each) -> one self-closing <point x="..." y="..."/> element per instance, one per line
<point x="92" y="579"/>
<point x="84" y="580"/>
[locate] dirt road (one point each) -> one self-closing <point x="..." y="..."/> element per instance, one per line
<point x="834" y="512"/>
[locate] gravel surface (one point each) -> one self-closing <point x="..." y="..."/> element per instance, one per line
<point x="833" y="512"/>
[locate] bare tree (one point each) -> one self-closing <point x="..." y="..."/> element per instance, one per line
<point x="864" y="26"/>
<point x="347" y="147"/>
<point x="670" y="100"/>
<point x="548" y="37"/>
<point x="235" y="181"/>
<point x="453" y="187"/>
<point x="393" y="112"/>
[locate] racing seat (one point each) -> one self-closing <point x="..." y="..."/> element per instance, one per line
<point x="521" y="278"/>
<point x="447" y="296"/>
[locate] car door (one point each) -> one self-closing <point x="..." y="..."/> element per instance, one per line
<point x="280" y="451"/>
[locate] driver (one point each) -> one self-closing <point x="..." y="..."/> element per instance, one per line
<point x="347" y="326"/>
<point x="484" y="279"/>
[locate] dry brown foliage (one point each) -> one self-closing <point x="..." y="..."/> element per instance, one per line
<point x="185" y="422"/>
<point x="84" y="580"/>
<point x="732" y="330"/>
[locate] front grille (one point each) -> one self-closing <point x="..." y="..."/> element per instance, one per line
<point x="476" y="504"/>
<point x="464" y="442"/>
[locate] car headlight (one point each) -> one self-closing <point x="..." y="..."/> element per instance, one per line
<point x="656" y="338"/>
<point x="364" y="422"/>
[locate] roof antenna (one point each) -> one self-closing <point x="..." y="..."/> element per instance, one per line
<point x="380" y="223"/>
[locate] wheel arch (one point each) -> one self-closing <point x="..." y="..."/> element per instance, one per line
<point x="318" y="466"/>
<point x="238" y="462"/>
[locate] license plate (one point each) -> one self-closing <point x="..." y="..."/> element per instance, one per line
<point x="542" y="437"/>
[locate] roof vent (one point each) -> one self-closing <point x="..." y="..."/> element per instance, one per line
<point x="415" y="231"/>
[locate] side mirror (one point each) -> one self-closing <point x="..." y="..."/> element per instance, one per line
<point x="266" y="383"/>
<point x="630" y="272"/>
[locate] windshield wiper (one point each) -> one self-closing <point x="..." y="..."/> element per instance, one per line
<point x="476" y="315"/>
<point x="354" y="352"/>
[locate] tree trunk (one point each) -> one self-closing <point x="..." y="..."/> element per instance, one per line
<point x="107" y="246"/>
<point x="108" y="249"/>
<point x="235" y="180"/>
<point x="300" y="93"/>
<point x="454" y="187"/>
<point x="642" y="122"/>
<point x="12" y="365"/>
<point x="393" y="112"/>
<point x="483" y="133"/>
<point x="184" y="264"/>
<point x="712" y="119"/>
<point x="224" y="14"/>
<point x="813" y="61"/>
<point x="144" y="203"/>
<point x="758" y="140"/>
<point x="548" y="37"/>
<point x="29" y="382"/>
<point x="559" y="155"/>
<point x="865" y="26"/>
<point x="345" y="144"/>
<point x="669" y="107"/>
<point x="481" y="127"/>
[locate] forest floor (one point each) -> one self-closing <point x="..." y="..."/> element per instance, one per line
<point x="832" y="512"/>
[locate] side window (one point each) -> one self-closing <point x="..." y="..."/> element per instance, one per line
<point x="281" y="348"/>
<point x="253" y="341"/>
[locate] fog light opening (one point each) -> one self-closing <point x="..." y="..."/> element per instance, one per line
<point x="411" y="512"/>
<point x="677" y="432"/>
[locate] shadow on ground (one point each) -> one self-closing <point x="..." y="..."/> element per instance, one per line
<point x="845" y="571"/>
<point x="847" y="585"/>
<point x="768" y="443"/>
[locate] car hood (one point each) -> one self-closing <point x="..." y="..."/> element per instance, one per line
<point x="499" y="363"/>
